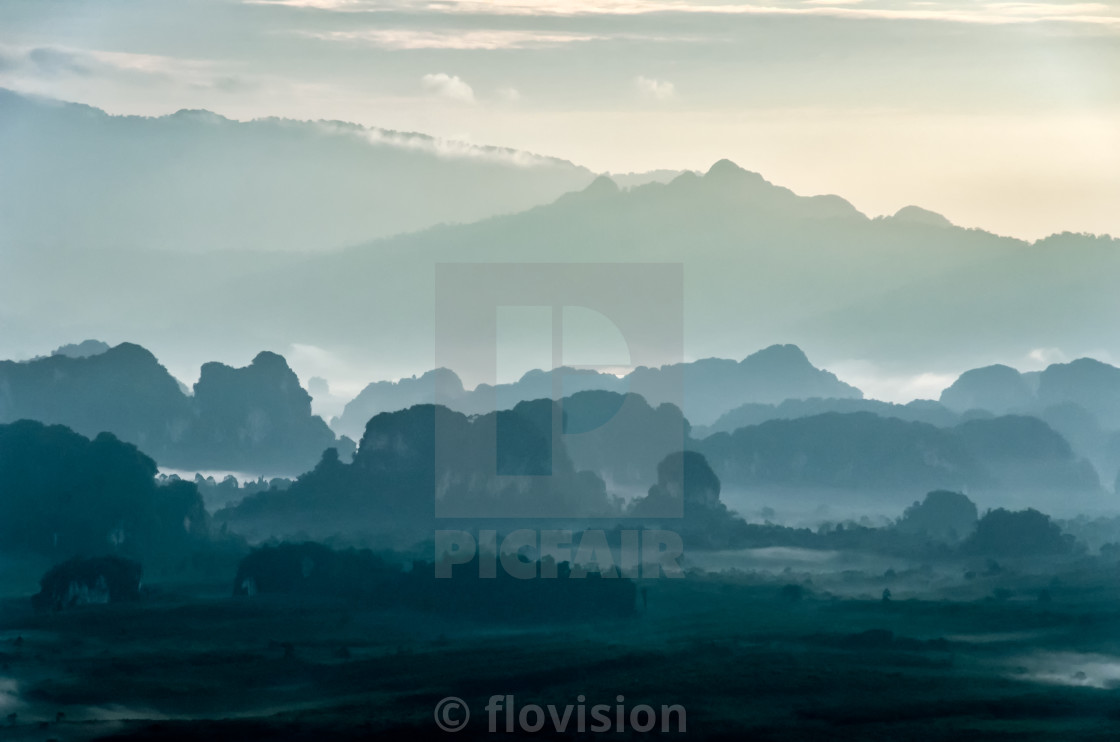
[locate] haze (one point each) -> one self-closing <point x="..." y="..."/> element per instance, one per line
<point x="1003" y="116"/>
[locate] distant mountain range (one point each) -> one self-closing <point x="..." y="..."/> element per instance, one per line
<point x="258" y="420"/>
<point x="710" y="387"/>
<point x="198" y="182"/>
<point x="761" y="263"/>
<point x="1088" y="383"/>
<point x="1079" y="399"/>
<point x="397" y="477"/>
<point x="861" y="451"/>
<point x="255" y="420"/>
<point x="754" y="413"/>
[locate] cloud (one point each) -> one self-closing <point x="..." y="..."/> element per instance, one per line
<point x="310" y="360"/>
<point x="447" y="86"/>
<point x="991" y="12"/>
<point x="656" y="89"/>
<point x="449" y="148"/>
<point x="411" y="39"/>
<point x="8" y="63"/>
<point x="925" y="386"/>
<point x="1046" y="356"/>
<point x="509" y="94"/>
<point x="887" y="386"/>
<point x="338" y="5"/>
<point x="52" y="63"/>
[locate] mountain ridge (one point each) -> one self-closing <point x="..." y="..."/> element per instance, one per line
<point x="704" y="386"/>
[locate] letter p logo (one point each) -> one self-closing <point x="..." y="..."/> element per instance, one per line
<point x="568" y="319"/>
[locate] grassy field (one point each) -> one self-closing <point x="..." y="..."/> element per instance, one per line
<point x="1019" y="653"/>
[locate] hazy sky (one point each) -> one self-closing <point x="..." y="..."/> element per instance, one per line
<point x="1002" y="115"/>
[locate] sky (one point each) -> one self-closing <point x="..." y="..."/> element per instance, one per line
<point x="999" y="115"/>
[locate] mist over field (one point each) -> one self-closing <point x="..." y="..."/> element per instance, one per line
<point x="377" y="368"/>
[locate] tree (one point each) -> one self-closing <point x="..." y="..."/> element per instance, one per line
<point x="79" y="581"/>
<point x="1020" y="533"/>
<point x="63" y="495"/>
<point x="942" y="515"/>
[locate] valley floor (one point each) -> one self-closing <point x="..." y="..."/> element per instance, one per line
<point x="748" y="658"/>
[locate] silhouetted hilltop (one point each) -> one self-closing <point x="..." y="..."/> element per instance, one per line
<point x="602" y="188"/>
<point x="397" y="471"/>
<point x="724" y="185"/>
<point x="1086" y="382"/>
<point x="1027" y="454"/>
<point x="257" y="414"/>
<point x="847" y="451"/>
<point x="1012" y="437"/>
<point x="83" y="349"/>
<point x="713" y="386"/>
<point x="444" y="386"/>
<point x="388" y="396"/>
<point x="999" y="389"/>
<point x="168" y="182"/>
<point x="66" y="495"/>
<point x="633" y="180"/>
<point x="685" y="484"/>
<point x="942" y="515"/>
<point x="252" y="419"/>
<point x="1018" y="533"/>
<point x="726" y="180"/>
<point x="918" y="215"/>
<point x="710" y="387"/>
<point x="412" y="461"/>
<point x="920" y="410"/>
<point x="621" y="437"/>
<point x="124" y="391"/>
<point x="1079" y="399"/>
<point x="864" y="451"/>
<point x="539" y="384"/>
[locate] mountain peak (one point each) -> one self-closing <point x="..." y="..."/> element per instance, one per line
<point x="198" y="114"/>
<point x="131" y="352"/>
<point x="600" y="188"/>
<point x="267" y="358"/>
<point x="84" y="349"/>
<point x="725" y="170"/>
<point x="421" y="181"/>
<point x="723" y="165"/>
<point x="998" y="388"/>
<point x="785" y="355"/>
<point x="918" y="215"/>
<point x="602" y="185"/>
